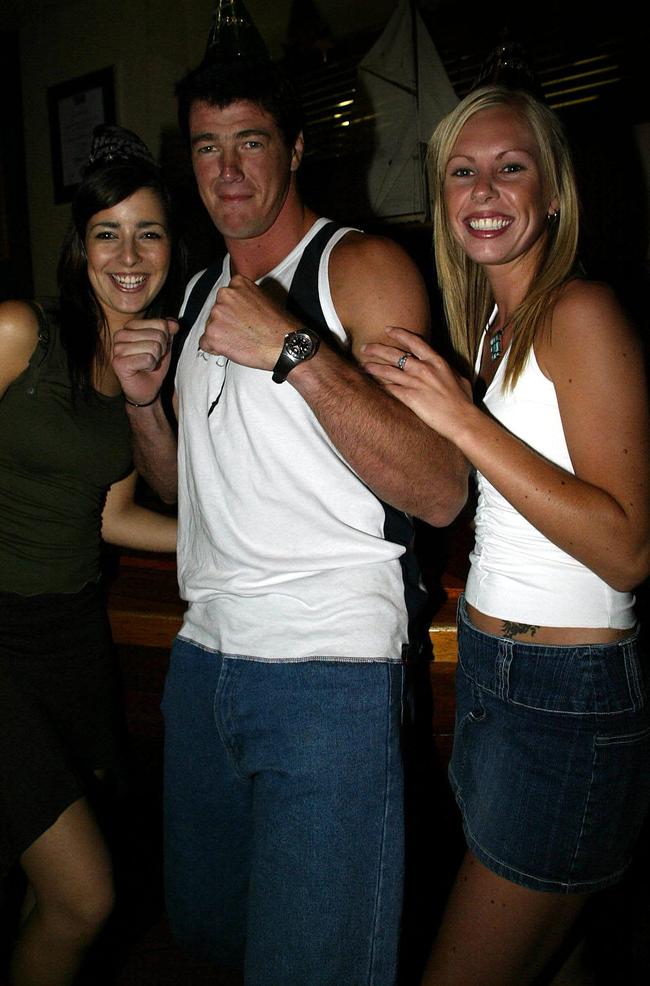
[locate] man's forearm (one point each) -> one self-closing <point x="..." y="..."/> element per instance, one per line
<point x="404" y="462"/>
<point x="154" y="449"/>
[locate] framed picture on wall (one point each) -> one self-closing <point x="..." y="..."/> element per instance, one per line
<point x="75" y="108"/>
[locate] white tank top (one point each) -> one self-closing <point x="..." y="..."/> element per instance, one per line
<point x="283" y="552"/>
<point x="516" y="573"/>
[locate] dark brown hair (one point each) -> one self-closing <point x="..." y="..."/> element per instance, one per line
<point x="83" y="326"/>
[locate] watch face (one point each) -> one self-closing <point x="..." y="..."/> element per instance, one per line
<point x="299" y="345"/>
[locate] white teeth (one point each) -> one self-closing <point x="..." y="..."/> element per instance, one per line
<point x="489" y="224"/>
<point x="129" y="280"/>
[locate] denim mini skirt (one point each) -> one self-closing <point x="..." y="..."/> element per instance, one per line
<point x="551" y="757"/>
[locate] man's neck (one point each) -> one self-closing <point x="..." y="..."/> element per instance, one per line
<point x="258" y="255"/>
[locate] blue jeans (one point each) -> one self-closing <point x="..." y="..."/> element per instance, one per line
<point x="284" y="816"/>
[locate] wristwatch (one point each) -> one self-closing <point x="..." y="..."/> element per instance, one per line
<point x="298" y="347"/>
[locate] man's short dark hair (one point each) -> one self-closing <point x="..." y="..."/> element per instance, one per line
<point x="225" y="82"/>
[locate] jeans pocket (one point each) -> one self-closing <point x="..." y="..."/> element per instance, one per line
<point x="470" y="716"/>
<point x="619" y="795"/>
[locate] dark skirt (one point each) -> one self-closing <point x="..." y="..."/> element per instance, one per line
<point x="58" y="710"/>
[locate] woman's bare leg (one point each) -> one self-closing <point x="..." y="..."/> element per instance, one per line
<point x="69" y="872"/>
<point x="496" y="933"/>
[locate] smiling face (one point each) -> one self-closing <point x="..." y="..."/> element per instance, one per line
<point x="243" y="167"/>
<point x="128" y="250"/>
<point x="495" y="194"/>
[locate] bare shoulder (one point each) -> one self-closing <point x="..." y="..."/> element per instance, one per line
<point x="375" y="283"/>
<point x="358" y="254"/>
<point x="587" y="308"/>
<point x="18" y="338"/>
<point x="18" y="324"/>
<point x="588" y="326"/>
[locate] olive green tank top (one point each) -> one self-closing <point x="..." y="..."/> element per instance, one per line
<point x="58" y="456"/>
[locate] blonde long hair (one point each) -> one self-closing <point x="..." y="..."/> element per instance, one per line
<point x="466" y="292"/>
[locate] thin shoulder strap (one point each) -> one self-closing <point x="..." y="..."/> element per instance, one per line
<point x="41" y="317"/>
<point x="44" y="333"/>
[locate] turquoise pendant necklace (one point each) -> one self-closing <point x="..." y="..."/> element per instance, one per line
<point x="496" y="340"/>
<point x="495" y="345"/>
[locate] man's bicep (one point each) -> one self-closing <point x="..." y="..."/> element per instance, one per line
<point x="371" y="327"/>
<point x="375" y="284"/>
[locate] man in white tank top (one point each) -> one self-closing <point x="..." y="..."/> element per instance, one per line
<point x="296" y="478"/>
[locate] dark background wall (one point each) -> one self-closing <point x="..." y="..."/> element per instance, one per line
<point x="591" y="62"/>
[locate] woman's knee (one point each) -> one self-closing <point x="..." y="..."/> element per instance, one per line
<point x="94" y="910"/>
<point x="77" y="912"/>
<point x="69" y="870"/>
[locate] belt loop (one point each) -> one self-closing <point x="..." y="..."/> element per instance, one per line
<point x="502" y="667"/>
<point x="633" y="673"/>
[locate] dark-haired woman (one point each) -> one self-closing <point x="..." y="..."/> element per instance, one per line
<point x="66" y="482"/>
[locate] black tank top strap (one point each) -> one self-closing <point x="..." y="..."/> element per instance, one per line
<point x="43" y="319"/>
<point x="45" y="338"/>
<point x="303" y="299"/>
<point x="195" y="302"/>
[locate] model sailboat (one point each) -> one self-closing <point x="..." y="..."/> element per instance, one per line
<point x="408" y="88"/>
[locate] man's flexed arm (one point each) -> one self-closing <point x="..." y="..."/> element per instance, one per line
<point x="141" y="358"/>
<point x="374" y="284"/>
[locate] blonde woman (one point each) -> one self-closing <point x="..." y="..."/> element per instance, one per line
<point x="550" y="765"/>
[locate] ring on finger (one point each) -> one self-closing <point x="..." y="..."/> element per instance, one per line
<point x="401" y="363"/>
